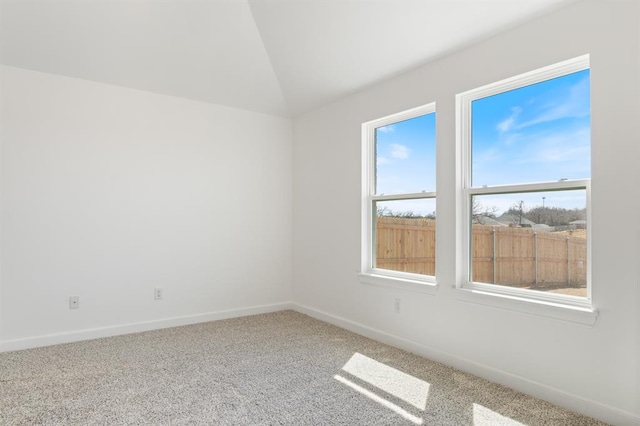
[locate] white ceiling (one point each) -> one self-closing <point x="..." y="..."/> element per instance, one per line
<point x="281" y="57"/>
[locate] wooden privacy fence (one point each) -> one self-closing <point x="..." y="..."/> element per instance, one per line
<point x="407" y="245"/>
<point x="501" y="255"/>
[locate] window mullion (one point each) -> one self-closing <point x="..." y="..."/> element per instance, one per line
<point x="561" y="185"/>
<point x="408" y="196"/>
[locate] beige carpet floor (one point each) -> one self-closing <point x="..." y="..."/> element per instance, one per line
<point x="283" y="368"/>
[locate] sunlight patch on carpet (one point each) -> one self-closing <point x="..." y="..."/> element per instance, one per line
<point x="388" y="404"/>
<point x="394" y="382"/>
<point x="485" y="416"/>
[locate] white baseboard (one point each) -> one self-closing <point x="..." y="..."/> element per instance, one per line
<point x="96" y="333"/>
<point x="559" y="397"/>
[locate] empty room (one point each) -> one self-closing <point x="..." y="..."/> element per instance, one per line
<point x="319" y="212"/>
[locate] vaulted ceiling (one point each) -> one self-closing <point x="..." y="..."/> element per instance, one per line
<point x="282" y="57"/>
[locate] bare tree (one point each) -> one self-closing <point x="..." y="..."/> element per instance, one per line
<point x="383" y="211"/>
<point x="555" y="216"/>
<point x="386" y="211"/>
<point x="479" y="212"/>
<point x="518" y="211"/>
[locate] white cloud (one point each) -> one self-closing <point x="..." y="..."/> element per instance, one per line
<point x="572" y="146"/>
<point x="570" y="103"/>
<point x="387" y="129"/>
<point x="508" y="123"/>
<point x="574" y="104"/>
<point x="382" y="160"/>
<point x="541" y="156"/>
<point x="399" y="152"/>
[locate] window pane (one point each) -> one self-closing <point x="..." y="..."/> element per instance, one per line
<point x="535" y="133"/>
<point x="406" y="156"/>
<point x="535" y="240"/>
<point x="405" y="236"/>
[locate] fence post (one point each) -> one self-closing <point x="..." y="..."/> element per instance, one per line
<point x="568" y="263"/>
<point x="493" y="246"/>
<point x="535" y="258"/>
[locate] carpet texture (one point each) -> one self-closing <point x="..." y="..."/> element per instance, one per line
<point x="283" y="368"/>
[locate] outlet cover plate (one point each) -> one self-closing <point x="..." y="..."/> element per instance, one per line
<point x="74" y="302"/>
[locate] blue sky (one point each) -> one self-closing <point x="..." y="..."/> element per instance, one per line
<point x="406" y="156"/>
<point x="533" y="134"/>
<point x="536" y="133"/>
<point x="406" y="162"/>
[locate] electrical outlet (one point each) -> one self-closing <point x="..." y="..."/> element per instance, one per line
<point x="74" y="302"/>
<point x="157" y="293"/>
<point x="396" y="306"/>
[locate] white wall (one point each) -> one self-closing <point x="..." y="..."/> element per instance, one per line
<point x="109" y="192"/>
<point x="591" y="369"/>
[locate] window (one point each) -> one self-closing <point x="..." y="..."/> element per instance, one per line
<point x="399" y="199"/>
<point x="525" y="150"/>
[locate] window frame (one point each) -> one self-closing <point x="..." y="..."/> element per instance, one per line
<point x="369" y="273"/>
<point x="467" y="191"/>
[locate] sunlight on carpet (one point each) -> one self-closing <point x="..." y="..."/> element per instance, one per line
<point x="390" y="405"/>
<point x="389" y="381"/>
<point x="384" y="384"/>
<point x="401" y="385"/>
<point x="484" y="416"/>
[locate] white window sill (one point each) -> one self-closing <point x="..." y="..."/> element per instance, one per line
<point x="419" y="286"/>
<point x="575" y="314"/>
